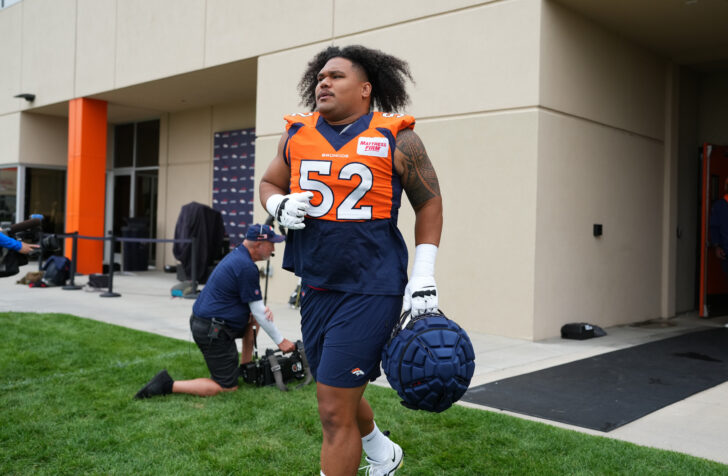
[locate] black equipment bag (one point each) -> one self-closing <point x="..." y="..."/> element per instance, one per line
<point x="56" y="270"/>
<point x="581" y="331"/>
<point x="276" y="368"/>
<point x="98" y="280"/>
<point x="10" y="262"/>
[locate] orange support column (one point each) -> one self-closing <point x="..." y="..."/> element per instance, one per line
<point x="86" y="188"/>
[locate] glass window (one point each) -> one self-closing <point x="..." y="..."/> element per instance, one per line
<point x="147" y="144"/>
<point x="45" y="193"/>
<point x="124" y="145"/>
<point x="8" y="194"/>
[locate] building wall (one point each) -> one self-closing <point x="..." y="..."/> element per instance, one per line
<point x="95" y="46"/>
<point x="73" y="48"/>
<point x="48" y="47"/>
<point x="476" y="114"/>
<point x="10" y="26"/>
<point x="587" y="174"/>
<point x="9" y="139"/>
<point x="600" y="161"/>
<point x="485" y="267"/>
<point x="595" y="75"/>
<point x="185" y="162"/>
<point x="542" y="121"/>
<point x="43" y="140"/>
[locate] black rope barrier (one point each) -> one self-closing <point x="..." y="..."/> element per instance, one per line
<point x="110" y="289"/>
<point x="74" y="249"/>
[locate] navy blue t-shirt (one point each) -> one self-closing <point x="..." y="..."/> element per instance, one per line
<point x="234" y="283"/>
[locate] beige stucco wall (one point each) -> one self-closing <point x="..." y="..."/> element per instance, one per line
<point x="354" y="17"/>
<point x="79" y="48"/>
<point x="486" y="164"/>
<point x="591" y="174"/>
<point x="483" y="146"/>
<point x="10" y="26"/>
<point x="48" y="36"/>
<point x="500" y="69"/>
<point x="236" y="29"/>
<point x="545" y="120"/>
<point x="601" y="160"/>
<point x="43" y="140"/>
<point x="95" y="46"/>
<point x="591" y="73"/>
<point x="10" y="139"/>
<point x="158" y="39"/>
<point x="185" y="162"/>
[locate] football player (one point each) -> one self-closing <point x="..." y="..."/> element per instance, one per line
<point x="336" y="184"/>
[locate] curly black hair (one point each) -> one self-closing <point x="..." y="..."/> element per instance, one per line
<point x="386" y="73"/>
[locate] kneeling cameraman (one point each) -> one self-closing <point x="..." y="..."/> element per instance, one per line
<point x="221" y="314"/>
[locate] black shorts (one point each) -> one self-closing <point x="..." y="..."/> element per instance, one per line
<point x="221" y="354"/>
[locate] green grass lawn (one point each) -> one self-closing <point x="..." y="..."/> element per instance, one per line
<point x="66" y="407"/>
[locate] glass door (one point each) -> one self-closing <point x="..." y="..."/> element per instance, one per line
<point x="145" y="203"/>
<point x="136" y="164"/>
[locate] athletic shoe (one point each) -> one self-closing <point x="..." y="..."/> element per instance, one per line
<point x="161" y="384"/>
<point x="387" y="467"/>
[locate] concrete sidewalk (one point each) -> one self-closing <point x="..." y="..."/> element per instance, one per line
<point x="694" y="426"/>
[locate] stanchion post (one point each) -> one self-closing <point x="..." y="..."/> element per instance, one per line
<point x="193" y="294"/>
<point x="74" y="248"/>
<point x="40" y="239"/>
<point x="42" y="250"/>
<point x="110" y="292"/>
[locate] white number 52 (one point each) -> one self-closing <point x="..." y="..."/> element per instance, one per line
<point x="347" y="210"/>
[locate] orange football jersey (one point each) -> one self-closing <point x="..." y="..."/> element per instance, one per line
<point x="351" y="173"/>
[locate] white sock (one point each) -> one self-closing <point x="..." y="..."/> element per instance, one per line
<point x="376" y="445"/>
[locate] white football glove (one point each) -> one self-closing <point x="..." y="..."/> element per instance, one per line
<point x="420" y="295"/>
<point x="289" y="210"/>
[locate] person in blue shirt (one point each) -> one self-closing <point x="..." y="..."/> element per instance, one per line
<point x="225" y="310"/>
<point x="719" y="227"/>
<point x="16" y="245"/>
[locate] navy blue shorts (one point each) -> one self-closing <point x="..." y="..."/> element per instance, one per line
<point x="344" y="334"/>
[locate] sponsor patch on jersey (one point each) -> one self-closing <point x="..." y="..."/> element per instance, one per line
<point x="374" y="146"/>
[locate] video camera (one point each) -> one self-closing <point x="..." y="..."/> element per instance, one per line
<point x="276" y="368"/>
<point x="29" y="231"/>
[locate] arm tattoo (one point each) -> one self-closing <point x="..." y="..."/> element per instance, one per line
<point x="419" y="179"/>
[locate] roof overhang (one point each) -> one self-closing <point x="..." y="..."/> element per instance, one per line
<point x="693" y="33"/>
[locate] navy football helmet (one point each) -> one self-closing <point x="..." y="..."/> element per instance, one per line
<point x="429" y="360"/>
